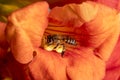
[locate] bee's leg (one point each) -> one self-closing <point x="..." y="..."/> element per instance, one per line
<point x="56" y="45"/>
<point x="62" y="53"/>
<point x="60" y="48"/>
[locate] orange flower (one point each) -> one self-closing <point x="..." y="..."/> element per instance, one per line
<point x="94" y="26"/>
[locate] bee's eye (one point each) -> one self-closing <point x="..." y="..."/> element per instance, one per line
<point x="49" y="39"/>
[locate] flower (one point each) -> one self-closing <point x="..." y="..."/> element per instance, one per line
<point x="95" y="36"/>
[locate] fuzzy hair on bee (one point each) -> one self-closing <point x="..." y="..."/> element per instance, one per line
<point x="55" y="42"/>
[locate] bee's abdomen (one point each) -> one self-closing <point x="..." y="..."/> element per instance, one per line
<point x="70" y="40"/>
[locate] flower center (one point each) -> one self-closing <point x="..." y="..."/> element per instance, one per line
<point x="59" y="39"/>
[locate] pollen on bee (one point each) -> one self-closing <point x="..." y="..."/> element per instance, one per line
<point x="60" y="48"/>
<point x="48" y="47"/>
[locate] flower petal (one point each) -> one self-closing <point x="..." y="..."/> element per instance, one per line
<point x="91" y="27"/>
<point x="51" y="66"/>
<point x="73" y="14"/>
<point x="10" y="69"/>
<point x="113" y="64"/>
<point x="25" y="29"/>
<point x="3" y="41"/>
<point x="113" y="74"/>
<point x="111" y="3"/>
<point x="114" y="59"/>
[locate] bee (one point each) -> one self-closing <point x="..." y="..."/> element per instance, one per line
<point x="57" y="43"/>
